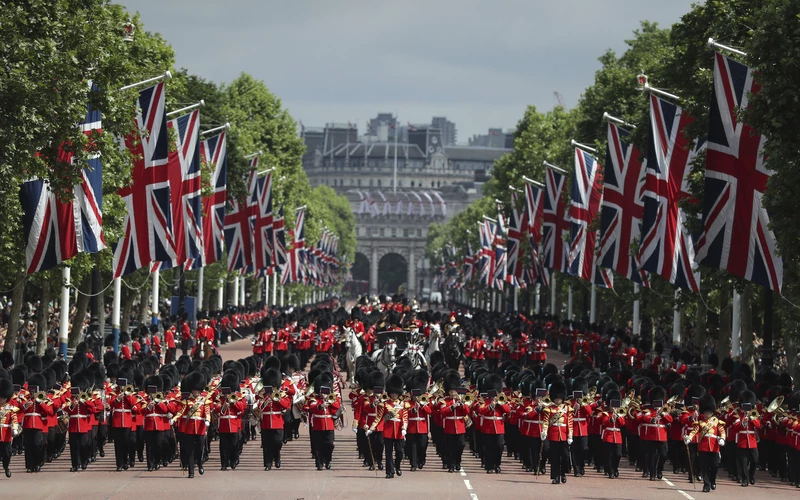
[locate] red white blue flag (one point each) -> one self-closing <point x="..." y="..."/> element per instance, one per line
<point x="555" y="222"/>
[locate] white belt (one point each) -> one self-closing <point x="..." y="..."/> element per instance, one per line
<point x="227" y="417"/>
<point x="196" y="418"/>
<point x="372" y="414"/>
<point x="321" y="416"/>
<point x="452" y="418"/>
<point x="273" y="413"/>
<point x="579" y="420"/>
<point x="746" y="432"/>
<point x="558" y="425"/>
<point x="156" y="415"/>
<point x="5" y="425"/>
<point x="118" y="410"/>
<point x="659" y="426"/>
<point x="417" y="419"/>
<point x="493" y="418"/>
<point x="533" y="421"/>
<point x="711" y="437"/>
<point x="395" y="420"/>
<point x="32" y="415"/>
<point x="611" y="429"/>
<point x="79" y="416"/>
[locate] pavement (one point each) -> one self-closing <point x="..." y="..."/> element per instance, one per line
<point x="298" y="479"/>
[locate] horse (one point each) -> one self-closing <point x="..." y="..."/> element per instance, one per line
<point x="414" y="352"/>
<point x="453" y="351"/>
<point x="354" y="350"/>
<point x="386" y="358"/>
<point x="433" y="343"/>
<point x="203" y="350"/>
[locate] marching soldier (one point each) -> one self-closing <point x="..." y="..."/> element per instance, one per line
<point x="194" y="418"/>
<point x="230" y="408"/>
<point x="79" y="409"/>
<point x="653" y="431"/>
<point x="557" y="426"/>
<point x="744" y="430"/>
<point x="492" y="413"/>
<point x="710" y="432"/>
<point x="455" y="414"/>
<point x="612" y="422"/>
<point x="270" y="404"/>
<point x="9" y="424"/>
<point x="322" y="408"/>
<point x="392" y="413"/>
<point x="419" y="410"/>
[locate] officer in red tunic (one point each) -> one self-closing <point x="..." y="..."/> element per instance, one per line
<point x="9" y="423"/>
<point x="744" y="431"/>
<point x="122" y="405"/>
<point x="653" y="423"/>
<point x="321" y="409"/>
<point x="270" y="404"/>
<point x="474" y="349"/>
<point x="557" y="426"/>
<point x="492" y="413"/>
<point x="494" y="350"/>
<point x="418" y="413"/>
<point x="710" y="432"/>
<point x="169" y="340"/>
<point x="612" y="421"/>
<point x="582" y="409"/>
<point x="454" y="414"/>
<point x="392" y="413"/>
<point x="230" y="407"/>
<point x="80" y="407"/>
<point x="194" y="419"/>
<point x="186" y="334"/>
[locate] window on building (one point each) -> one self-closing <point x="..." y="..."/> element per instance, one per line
<point x="379" y="183"/>
<point x="383" y="232"/>
<point x="351" y="181"/>
<point x="432" y="184"/>
<point x="412" y="184"/>
<point x="359" y="182"/>
<point x="405" y="232"/>
<point x="370" y="182"/>
<point x="394" y="232"/>
<point x="438" y="184"/>
<point x="419" y="232"/>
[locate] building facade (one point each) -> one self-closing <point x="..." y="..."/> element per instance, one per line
<point x="396" y="190"/>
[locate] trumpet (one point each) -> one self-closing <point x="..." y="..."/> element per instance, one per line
<point x="128" y="390"/>
<point x="619" y="412"/>
<point x="330" y="398"/>
<point x="468" y="399"/>
<point x="41" y="398"/>
<point x="546" y="401"/>
<point x="586" y="400"/>
<point x="158" y="398"/>
<point x="84" y="397"/>
<point x="424" y="399"/>
<point x="278" y="394"/>
<point x="501" y="399"/>
<point x="725" y="405"/>
<point x="385" y="397"/>
<point x="753" y="414"/>
<point x="232" y="398"/>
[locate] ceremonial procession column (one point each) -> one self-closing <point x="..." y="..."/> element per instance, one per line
<point x="63" y="327"/>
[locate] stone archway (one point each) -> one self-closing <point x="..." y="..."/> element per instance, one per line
<point x="392" y="274"/>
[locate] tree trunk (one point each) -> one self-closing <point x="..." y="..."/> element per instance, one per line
<point x="127" y="307"/>
<point x="725" y="323"/>
<point x="42" y="323"/>
<point x="748" y="349"/>
<point x="81" y="306"/>
<point x="16" y="309"/>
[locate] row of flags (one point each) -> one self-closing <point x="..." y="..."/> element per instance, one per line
<point x="404" y="203"/>
<point x="643" y="227"/>
<point x="170" y="222"/>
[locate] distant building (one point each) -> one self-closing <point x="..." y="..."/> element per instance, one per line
<point x="496" y="138"/>
<point x="448" y="128"/>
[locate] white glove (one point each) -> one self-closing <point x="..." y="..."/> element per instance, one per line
<point x="355" y="430"/>
<point x="687" y="440"/>
<point x="369" y="432"/>
<point x="404" y="433"/>
<point x="569" y="440"/>
<point x="15" y="432"/>
<point x="722" y="442"/>
<point x="208" y="423"/>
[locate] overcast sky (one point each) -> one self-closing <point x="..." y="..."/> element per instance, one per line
<point x="479" y="63"/>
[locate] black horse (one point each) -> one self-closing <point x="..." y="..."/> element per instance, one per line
<point x="453" y="350"/>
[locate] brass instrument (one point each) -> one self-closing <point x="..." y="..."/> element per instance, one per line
<point x="586" y="400"/>
<point x="753" y="414"/>
<point x="501" y="399"/>
<point x="725" y="405"/>
<point x="158" y="398"/>
<point x="232" y="398"/>
<point x="620" y="412"/>
<point x="775" y="407"/>
<point x="592" y="391"/>
<point x="84" y="397"/>
<point x="424" y="399"/>
<point x="468" y="399"/>
<point x="330" y="398"/>
<point x="41" y="398"/>
<point x="384" y="398"/>
<point x="128" y="390"/>
<point x="546" y="400"/>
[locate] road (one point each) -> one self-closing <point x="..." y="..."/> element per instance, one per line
<point x="299" y="479"/>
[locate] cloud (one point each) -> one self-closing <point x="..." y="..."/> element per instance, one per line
<point x="477" y="62"/>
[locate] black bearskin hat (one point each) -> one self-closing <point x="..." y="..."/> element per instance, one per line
<point x="376" y="379"/>
<point x="707" y="403"/>
<point x="558" y="390"/>
<point x="452" y="381"/>
<point x="394" y="384"/>
<point x="493" y="382"/>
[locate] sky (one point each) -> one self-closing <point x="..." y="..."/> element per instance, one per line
<point x="479" y="63"/>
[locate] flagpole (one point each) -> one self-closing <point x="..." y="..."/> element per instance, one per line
<point x="394" y="182"/>
<point x="115" y="311"/>
<point x="569" y="304"/>
<point x="242" y="297"/>
<point x="188" y="108"/>
<point x="538" y="298"/>
<point x="636" y="325"/>
<point x="281" y="295"/>
<point x="199" y="300"/>
<point x="266" y="289"/>
<point x="220" y="294"/>
<point x="63" y="327"/>
<point x="215" y="129"/>
<point x="164" y="76"/>
<point x="553" y="294"/>
<point x="154" y="306"/>
<point x="235" y="301"/>
<point x="676" y="321"/>
<point x="275" y="286"/>
<point x="737" y="325"/>
<point x="593" y="305"/>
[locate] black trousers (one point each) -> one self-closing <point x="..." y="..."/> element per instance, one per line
<point x="534" y="455"/>
<point x="454" y="448"/>
<point x="677" y="454"/>
<point x="559" y="458"/>
<point x="376" y="442"/>
<point x="417" y="449"/>
<point x="34" y="443"/>
<point x="271" y="444"/>
<point x="155" y="443"/>
<point x="709" y="463"/>
<point x="394" y="454"/>
<point x="613" y="453"/>
<point x="185" y="347"/>
<point x="100" y="440"/>
<point x="437" y="435"/>
<point x="597" y="449"/>
<point x="136" y="445"/>
<point x="362" y="444"/>
<point x="5" y="455"/>
<point x="693" y="457"/>
<point x="323" y="446"/>
<point x="122" y="441"/>
<point x="170" y="357"/>
<point x="578" y="448"/>
<point x="79" y="448"/>
<point x="228" y="448"/>
<point x="656" y="456"/>
<point x="747" y="459"/>
<point x="513" y="441"/>
<point x="50" y="447"/>
<point x="192" y="446"/>
<point x="492" y="450"/>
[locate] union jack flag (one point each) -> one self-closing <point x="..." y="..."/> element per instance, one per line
<point x="212" y="153"/>
<point x="184" y="190"/>
<point x="516" y="230"/>
<point x="147" y="227"/>
<point x="532" y="221"/>
<point x="555" y="222"/>
<point x="622" y="206"/>
<point x="238" y="226"/>
<point x="736" y="234"/>
<point x="279" y="240"/>
<point x="667" y="248"/>
<point x="468" y="264"/>
<point x="297" y="253"/>
<point x="56" y="230"/>
<point x="587" y="195"/>
<point x="263" y="224"/>
<point x="499" y="261"/>
<point x="486" y="232"/>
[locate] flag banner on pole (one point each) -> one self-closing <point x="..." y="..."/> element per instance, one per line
<point x="667" y="247"/>
<point x="516" y="230"/>
<point x="57" y="230"/>
<point x="736" y="235"/>
<point x="262" y="238"/>
<point x="147" y="227"/>
<point x="185" y="190"/>
<point x="238" y="225"/>
<point x="499" y="262"/>
<point x="213" y="154"/>
<point x="622" y="206"/>
<point x="297" y="253"/>
<point x="555" y="222"/>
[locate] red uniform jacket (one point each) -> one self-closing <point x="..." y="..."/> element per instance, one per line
<point x="80" y="415"/>
<point x="530" y="419"/>
<point x="745" y="431"/>
<point x="157" y="417"/>
<point x="230" y="415"/>
<point x="9" y="423"/>
<point x="418" y="418"/>
<point x="708" y="437"/>
<point x="557" y="422"/>
<point x="205" y="332"/>
<point x="495" y="349"/>
<point x="492" y="418"/>
<point x="475" y="349"/>
<point x="369" y="412"/>
<point x="394" y="417"/>
<point x="580" y="419"/>
<point x="320" y="414"/>
<point x="453" y="413"/>
<point x="194" y="416"/>
<point x="611" y="428"/>
<point x="122" y="410"/>
<point x="169" y="337"/>
<point x="653" y="426"/>
<point x="272" y="411"/>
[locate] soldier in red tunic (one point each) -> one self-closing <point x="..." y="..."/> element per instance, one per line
<point x="710" y="432"/>
<point x="612" y="421"/>
<point x="557" y="426"/>
<point x="419" y="409"/>
<point x="492" y="413"/>
<point x="653" y="423"/>
<point x="321" y="408"/>
<point x="270" y="404"/>
<point x="79" y="408"/>
<point x="9" y="424"/>
<point x="392" y="413"/>
<point x="455" y="414"/>
<point x="744" y="431"/>
<point x="122" y="404"/>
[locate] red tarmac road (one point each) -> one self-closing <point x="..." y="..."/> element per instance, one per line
<point x="299" y="479"/>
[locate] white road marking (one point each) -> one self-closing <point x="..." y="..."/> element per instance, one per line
<point x="466" y="483"/>
<point x="669" y="482"/>
<point x="473" y="496"/>
<point x="463" y="472"/>
<point x="690" y="497"/>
